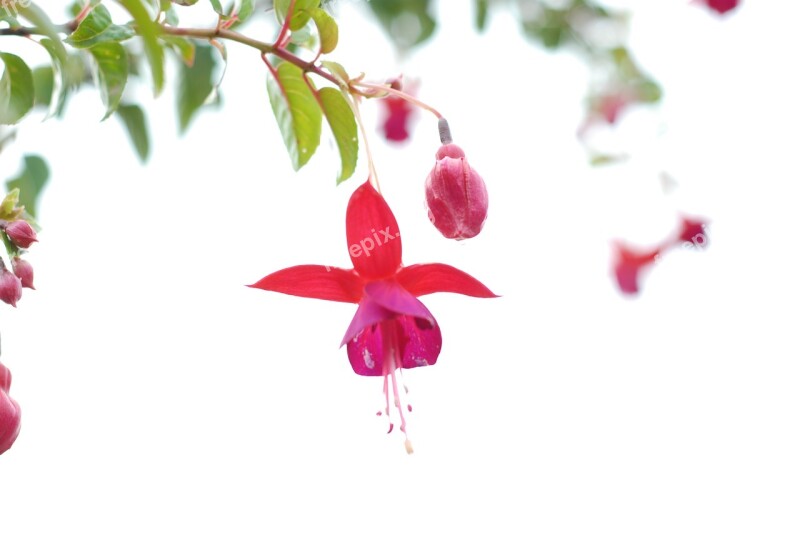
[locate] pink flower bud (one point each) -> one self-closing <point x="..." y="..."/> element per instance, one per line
<point x="21" y="233"/>
<point x="10" y="287"/>
<point x="23" y="270"/>
<point x="9" y="412"/>
<point x="455" y="193"/>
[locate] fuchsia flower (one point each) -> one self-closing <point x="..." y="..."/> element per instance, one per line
<point x="397" y="114"/>
<point x="629" y="264"/>
<point x="9" y="412"/>
<point x="391" y="328"/>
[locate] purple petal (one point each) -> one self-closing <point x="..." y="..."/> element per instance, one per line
<point x="419" y="345"/>
<point x="369" y="313"/>
<point x="391" y="295"/>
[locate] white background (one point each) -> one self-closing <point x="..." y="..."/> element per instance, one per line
<point x="162" y="396"/>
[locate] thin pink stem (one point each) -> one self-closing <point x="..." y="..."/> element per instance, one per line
<point x="398" y="93"/>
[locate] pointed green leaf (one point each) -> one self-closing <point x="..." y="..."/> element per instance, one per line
<point x="30" y="182"/>
<point x="195" y="84"/>
<point x="112" y="73"/>
<point x="340" y="118"/>
<point x="149" y="30"/>
<point x="337" y="71"/>
<point x="327" y="28"/>
<point x="133" y="118"/>
<point x="16" y="89"/>
<point x="97" y="27"/>
<point x="214" y="4"/>
<point x="246" y="8"/>
<point x="297" y="111"/>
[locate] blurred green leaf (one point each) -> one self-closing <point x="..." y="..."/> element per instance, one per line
<point x="30" y="182"/>
<point x="148" y="29"/>
<point x="648" y="91"/>
<point x="112" y="73"/>
<point x="190" y="2"/>
<point x="246" y="8"/>
<point x="327" y="28"/>
<point x="481" y="14"/>
<point x="184" y="46"/>
<point x="16" y="89"/>
<point x="97" y="27"/>
<point x="215" y="4"/>
<point x="340" y="118"/>
<point x="42" y="86"/>
<point x="135" y="124"/>
<point x="195" y="84"/>
<point x="297" y="112"/>
<point x="61" y="83"/>
<point x="407" y="22"/>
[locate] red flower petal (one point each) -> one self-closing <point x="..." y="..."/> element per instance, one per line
<point x="423" y="279"/>
<point x="693" y="231"/>
<point x="318" y="282"/>
<point x="373" y="237"/>
<point x="420" y="343"/>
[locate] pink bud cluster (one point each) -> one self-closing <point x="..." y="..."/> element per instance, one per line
<point x="20" y="235"/>
<point x="9" y="412"/>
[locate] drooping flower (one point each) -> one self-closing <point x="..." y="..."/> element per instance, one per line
<point x="391" y="328"/>
<point x="629" y="266"/>
<point x="455" y="193"/>
<point x="721" y="6"/>
<point x="397" y="113"/>
<point x="9" y="412"/>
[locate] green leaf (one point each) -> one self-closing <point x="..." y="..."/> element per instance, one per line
<point x="112" y="73"/>
<point x="42" y="86"/>
<point x="133" y="118"/>
<point x="184" y="46"/>
<point x="300" y="15"/>
<point x="30" y="182"/>
<point x="481" y="14"/>
<point x="149" y="31"/>
<point x="16" y="89"/>
<point x="97" y="27"/>
<point x="297" y="111"/>
<point x="340" y="118"/>
<point x="214" y="4"/>
<point x="195" y="84"/>
<point x="327" y="28"/>
<point x="408" y="23"/>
